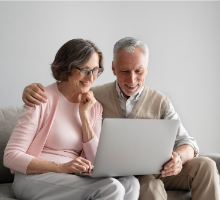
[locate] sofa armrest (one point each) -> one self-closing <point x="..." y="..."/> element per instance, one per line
<point x="213" y="156"/>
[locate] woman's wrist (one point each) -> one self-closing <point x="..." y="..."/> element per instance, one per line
<point x="38" y="166"/>
<point x="84" y="116"/>
<point x="87" y="130"/>
<point x="58" y="167"/>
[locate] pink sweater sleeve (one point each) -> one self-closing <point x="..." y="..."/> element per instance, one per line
<point x="90" y="148"/>
<point x="15" y="156"/>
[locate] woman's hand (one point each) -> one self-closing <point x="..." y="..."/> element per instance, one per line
<point x="87" y="102"/>
<point x="77" y="166"/>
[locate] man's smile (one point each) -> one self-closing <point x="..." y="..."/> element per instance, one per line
<point x="131" y="87"/>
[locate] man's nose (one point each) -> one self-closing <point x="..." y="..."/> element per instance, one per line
<point x="132" y="77"/>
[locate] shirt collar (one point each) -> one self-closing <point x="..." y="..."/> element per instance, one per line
<point x="120" y="94"/>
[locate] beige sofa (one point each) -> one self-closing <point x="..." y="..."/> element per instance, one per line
<point x="8" y="120"/>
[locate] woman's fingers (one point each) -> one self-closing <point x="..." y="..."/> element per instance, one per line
<point x="86" y="97"/>
<point x="86" y="164"/>
<point x="87" y="102"/>
<point x="80" y="168"/>
<point x="78" y="165"/>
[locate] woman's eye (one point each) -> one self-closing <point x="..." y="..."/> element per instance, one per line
<point x="85" y="70"/>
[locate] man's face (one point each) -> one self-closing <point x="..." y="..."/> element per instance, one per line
<point x="130" y="70"/>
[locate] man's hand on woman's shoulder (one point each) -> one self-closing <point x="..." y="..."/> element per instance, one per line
<point x="34" y="94"/>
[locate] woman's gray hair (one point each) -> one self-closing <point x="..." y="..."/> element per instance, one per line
<point x="128" y="44"/>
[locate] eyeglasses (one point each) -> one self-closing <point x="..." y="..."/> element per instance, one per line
<point x="85" y="71"/>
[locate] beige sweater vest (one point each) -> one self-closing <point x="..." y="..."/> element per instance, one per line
<point x="151" y="104"/>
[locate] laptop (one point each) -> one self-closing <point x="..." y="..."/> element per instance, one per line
<point x="133" y="147"/>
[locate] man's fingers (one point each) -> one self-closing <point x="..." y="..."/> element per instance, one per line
<point x="39" y="95"/>
<point x="34" y="95"/>
<point x="28" y="103"/>
<point x="173" y="172"/>
<point x="32" y="100"/>
<point x="174" y="160"/>
<point x="41" y="87"/>
<point x="41" y="91"/>
<point x="169" y="164"/>
<point x="169" y="174"/>
<point x="170" y="169"/>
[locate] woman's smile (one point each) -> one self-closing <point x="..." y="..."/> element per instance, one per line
<point x="85" y="84"/>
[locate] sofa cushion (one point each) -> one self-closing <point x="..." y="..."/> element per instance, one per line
<point x="8" y="120"/>
<point x="179" y="195"/>
<point x="6" y="192"/>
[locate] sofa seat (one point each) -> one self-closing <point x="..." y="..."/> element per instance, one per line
<point x="6" y="192"/>
<point x="8" y="120"/>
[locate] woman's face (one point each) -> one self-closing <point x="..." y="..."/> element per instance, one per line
<point x="83" y="84"/>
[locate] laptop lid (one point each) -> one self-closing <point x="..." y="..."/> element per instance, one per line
<point x="134" y="146"/>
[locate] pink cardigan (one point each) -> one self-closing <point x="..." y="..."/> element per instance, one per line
<point x="29" y="136"/>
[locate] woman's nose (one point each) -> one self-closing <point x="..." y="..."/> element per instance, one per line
<point x="90" y="76"/>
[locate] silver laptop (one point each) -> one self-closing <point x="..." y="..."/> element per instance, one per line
<point x="134" y="147"/>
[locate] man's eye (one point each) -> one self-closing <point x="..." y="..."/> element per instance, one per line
<point x="125" y="71"/>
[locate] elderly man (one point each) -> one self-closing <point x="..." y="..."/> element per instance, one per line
<point x="129" y="97"/>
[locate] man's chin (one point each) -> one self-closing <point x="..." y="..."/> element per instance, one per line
<point x="131" y="93"/>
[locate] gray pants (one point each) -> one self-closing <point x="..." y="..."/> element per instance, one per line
<point x="55" y="186"/>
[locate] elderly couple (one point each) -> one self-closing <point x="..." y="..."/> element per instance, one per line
<point x="58" y="138"/>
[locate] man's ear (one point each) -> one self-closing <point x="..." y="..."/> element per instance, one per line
<point x="113" y="69"/>
<point x="147" y="70"/>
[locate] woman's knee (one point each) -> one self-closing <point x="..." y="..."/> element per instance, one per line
<point x="117" y="187"/>
<point x="130" y="182"/>
<point x="135" y="183"/>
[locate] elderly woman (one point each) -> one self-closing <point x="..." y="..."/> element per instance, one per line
<point x="55" y="141"/>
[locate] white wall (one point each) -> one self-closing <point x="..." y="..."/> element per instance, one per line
<point x="183" y="38"/>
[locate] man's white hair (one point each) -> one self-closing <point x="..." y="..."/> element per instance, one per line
<point x="128" y="44"/>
